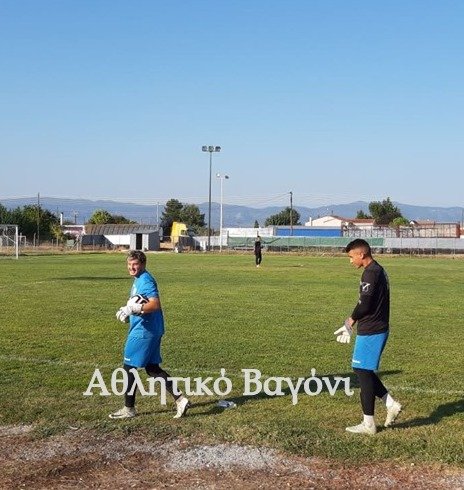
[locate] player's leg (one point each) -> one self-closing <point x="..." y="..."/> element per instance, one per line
<point x="182" y="402"/>
<point x="129" y="396"/>
<point x="393" y="407"/>
<point x="366" y="358"/>
<point x="128" y="411"/>
<point x="155" y="371"/>
<point x="366" y="383"/>
<point x="379" y="389"/>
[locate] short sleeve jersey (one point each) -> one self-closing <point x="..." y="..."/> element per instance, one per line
<point x="373" y="309"/>
<point x="150" y="324"/>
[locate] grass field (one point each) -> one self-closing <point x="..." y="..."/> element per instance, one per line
<point x="58" y="324"/>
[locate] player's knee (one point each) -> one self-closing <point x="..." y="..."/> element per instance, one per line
<point x="153" y="369"/>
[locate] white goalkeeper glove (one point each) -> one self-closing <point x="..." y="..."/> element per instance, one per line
<point x="125" y="312"/>
<point x="344" y="333"/>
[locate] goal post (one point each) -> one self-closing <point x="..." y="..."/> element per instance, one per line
<point x="9" y="240"/>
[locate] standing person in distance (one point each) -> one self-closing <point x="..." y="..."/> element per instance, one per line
<point x="146" y="329"/>
<point x="372" y="315"/>
<point x="258" y="251"/>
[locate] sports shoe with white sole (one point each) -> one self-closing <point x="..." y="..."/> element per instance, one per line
<point x="182" y="407"/>
<point x="392" y="414"/>
<point x="124" y="413"/>
<point x="362" y="428"/>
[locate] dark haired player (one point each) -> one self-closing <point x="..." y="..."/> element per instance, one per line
<point x="258" y="251"/>
<point x="371" y="314"/>
<point x="146" y="329"/>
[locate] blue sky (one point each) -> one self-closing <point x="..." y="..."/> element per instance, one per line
<point x="334" y="100"/>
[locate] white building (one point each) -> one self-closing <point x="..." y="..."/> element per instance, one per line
<point x="337" y="221"/>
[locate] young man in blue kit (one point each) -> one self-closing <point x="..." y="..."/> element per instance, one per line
<point x="142" y="348"/>
<point x="372" y="314"/>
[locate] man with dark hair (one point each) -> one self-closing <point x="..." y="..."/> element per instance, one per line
<point x="372" y="314"/>
<point x="257" y="251"/>
<point x="146" y="328"/>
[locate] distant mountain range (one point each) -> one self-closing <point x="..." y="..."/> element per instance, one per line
<point x="80" y="210"/>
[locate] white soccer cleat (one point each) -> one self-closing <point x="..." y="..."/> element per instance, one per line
<point x="124" y="413"/>
<point x="182" y="407"/>
<point x="392" y="414"/>
<point x="362" y="428"/>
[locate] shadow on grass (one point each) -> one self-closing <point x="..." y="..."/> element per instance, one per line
<point x="90" y="278"/>
<point x="240" y="400"/>
<point x="441" y="412"/>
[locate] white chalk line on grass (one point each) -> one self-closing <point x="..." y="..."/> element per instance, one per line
<point x="199" y="372"/>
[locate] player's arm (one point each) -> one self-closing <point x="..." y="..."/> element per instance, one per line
<point x="363" y="308"/>
<point x="150" y="304"/>
<point x="366" y="302"/>
<point x="153" y="304"/>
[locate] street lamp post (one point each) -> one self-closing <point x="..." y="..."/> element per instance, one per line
<point x="210" y="150"/>
<point x="221" y="177"/>
<point x="291" y="213"/>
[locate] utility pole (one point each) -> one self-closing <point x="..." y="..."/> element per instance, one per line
<point x="211" y="150"/>
<point x="38" y="218"/>
<point x="221" y="177"/>
<point x="291" y="213"/>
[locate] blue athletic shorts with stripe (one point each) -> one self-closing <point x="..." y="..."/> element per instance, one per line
<point x="139" y="352"/>
<point x="367" y="351"/>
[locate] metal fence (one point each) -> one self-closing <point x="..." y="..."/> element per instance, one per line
<point x="336" y="244"/>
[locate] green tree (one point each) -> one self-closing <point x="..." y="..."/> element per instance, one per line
<point x="191" y="216"/>
<point x="256" y="225"/>
<point x="362" y="215"/>
<point x="284" y="218"/>
<point x="57" y="232"/>
<point x="5" y="215"/>
<point x="100" y="217"/>
<point x="103" y="217"/>
<point x="121" y="220"/>
<point x="384" y="212"/>
<point x="171" y="213"/>
<point x="33" y="221"/>
<point x="400" y="221"/>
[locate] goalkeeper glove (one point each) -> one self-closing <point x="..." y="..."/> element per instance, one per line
<point x="121" y="315"/>
<point x="344" y="333"/>
<point x="125" y="312"/>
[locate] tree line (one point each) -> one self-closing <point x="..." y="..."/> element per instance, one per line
<point x="33" y="221"/>
<point x="383" y="213"/>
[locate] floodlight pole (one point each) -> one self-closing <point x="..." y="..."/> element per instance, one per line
<point x="210" y="150"/>
<point x="221" y="177"/>
<point x="17" y="241"/>
<point x="291" y="213"/>
<point x="38" y="219"/>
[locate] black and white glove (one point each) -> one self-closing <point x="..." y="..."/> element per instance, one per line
<point x="344" y="333"/>
<point x="125" y="312"/>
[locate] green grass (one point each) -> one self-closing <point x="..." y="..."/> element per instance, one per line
<point x="58" y="324"/>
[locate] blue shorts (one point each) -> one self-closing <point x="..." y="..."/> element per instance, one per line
<point x="141" y="352"/>
<point x="367" y="351"/>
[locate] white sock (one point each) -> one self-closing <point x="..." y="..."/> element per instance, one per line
<point x="369" y="420"/>
<point x="388" y="400"/>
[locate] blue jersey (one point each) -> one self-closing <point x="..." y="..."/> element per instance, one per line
<point x="143" y="344"/>
<point x="148" y="325"/>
